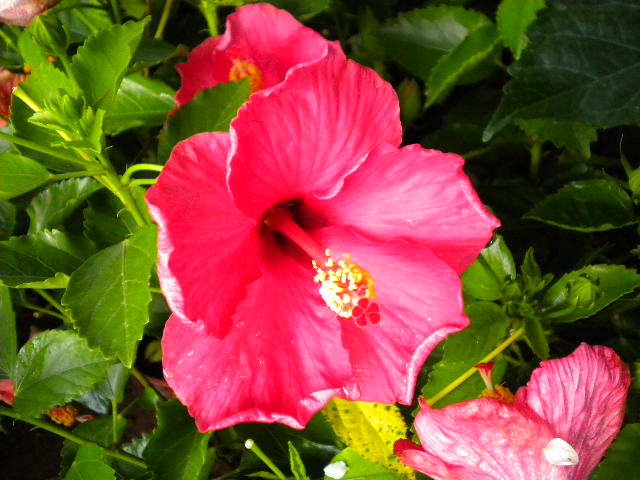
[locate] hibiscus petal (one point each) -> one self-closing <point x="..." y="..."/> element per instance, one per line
<point x="487" y="439"/>
<point x="207" y="248"/>
<point x="420" y="303"/>
<point x="281" y="361"/>
<point x="306" y="134"/>
<point x="269" y="38"/>
<point x="416" y="194"/>
<point x="582" y="396"/>
<point x="415" y="457"/>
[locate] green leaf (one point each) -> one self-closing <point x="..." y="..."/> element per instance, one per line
<point x="7" y="220"/>
<point x="621" y="458"/>
<point x="513" y="19"/>
<point x="573" y="136"/>
<point x="140" y="101"/>
<point x="176" y="433"/>
<point x="53" y="205"/>
<point x="419" y="38"/>
<point x="357" y="468"/>
<point x="106" y="221"/>
<point x="100" y="398"/>
<point x="100" y="64"/>
<point x="89" y="465"/>
<point x="612" y="281"/>
<point x="581" y="66"/>
<point x="535" y="337"/>
<point x="297" y="466"/>
<point x="587" y="206"/>
<point x="42" y="259"/>
<point x="302" y="9"/>
<point x="19" y="175"/>
<point x="53" y="368"/>
<point x="152" y="51"/>
<point x="464" y="349"/>
<point x="8" y="337"/>
<point x="477" y="46"/>
<point x="211" y="110"/>
<point x="108" y="295"/>
<point x="485" y="277"/>
<point x="370" y="429"/>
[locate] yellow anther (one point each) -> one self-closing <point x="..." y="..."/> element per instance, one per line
<point x="242" y="69"/>
<point x="500" y="392"/>
<point x="343" y="285"/>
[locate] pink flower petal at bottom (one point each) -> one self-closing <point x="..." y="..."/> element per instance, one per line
<point x="582" y="396"/>
<point x="281" y="362"/>
<point x="482" y="439"/>
<point x="439" y="207"/>
<point x="208" y="250"/>
<point x="419" y="301"/>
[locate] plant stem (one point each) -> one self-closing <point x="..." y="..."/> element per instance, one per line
<point x="251" y="445"/>
<point x="41" y="148"/>
<point x="45" y="311"/>
<point x="54" y="303"/>
<point x="83" y="173"/>
<point x="143" y="181"/>
<point x="462" y="378"/>
<point x="116" y="11"/>
<point x="72" y="437"/>
<point x="168" y="5"/>
<point x="126" y="176"/>
<point x="114" y="420"/>
<point x="534" y="165"/>
<point x="210" y="11"/>
<point x="140" y="377"/>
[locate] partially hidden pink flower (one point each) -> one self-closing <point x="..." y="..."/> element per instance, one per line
<point x="8" y="81"/>
<point x="22" y="12"/>
<point x="260" y="42"/>
<point x="6" y="391"/>
<point x="305" y="256"/>
<point x="558" y="427"/>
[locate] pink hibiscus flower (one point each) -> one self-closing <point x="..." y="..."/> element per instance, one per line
<point x="260" y="42"/>
<point x="558" y="427"/>
<point x="8" y="81"/>
<point x="22" y="12"/>
<point x="305" y="256"/>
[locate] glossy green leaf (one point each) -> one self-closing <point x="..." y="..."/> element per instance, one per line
<point x="303" y="9"/>
<point x="587" y="206"/>
<point x="485" y="277"/>
<point x="83" y="17"/>
<point x="176" y="433"/>
<point x="297" y="466"/>
<point x="468" y="54"/>
<point x="106" y="221"/>
<point x="42" y="259"/>
<point x="612" y="282"/>
<point x="7" y="220"/>
<point x="19" y="175"/>
<point x="582" y="66"/>
<point x="140" y="101"/>
<point x="89" y="465"/>
<point x="535" y="337"/>
<point x="357" y="468"/>
<point x="53" y="368"/>
<point x="8" y="337"/>
<point x="463" y="350"/>
<point x="100" y="399"/>
<point x="513" y="18"/>
<point x="53" y="205"/>
<point x="573" y="136"/>
<point x="419" y="38"/>
<point x="621" y="458"/>
<point x="211" y="110"/>
<point x="108" y="295"/>
<point x="151" y="51"/>
<point x="101" y="63"/>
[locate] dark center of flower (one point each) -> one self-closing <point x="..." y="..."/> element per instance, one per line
<point x="244" y="68"/>
<point x="346" y="287"/>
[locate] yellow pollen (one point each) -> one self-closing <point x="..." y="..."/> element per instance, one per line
<point x="501" y="393"/>
<point x="65" y="415"/>
<point x="347" y="289"/>
<point x="243" y="69"/>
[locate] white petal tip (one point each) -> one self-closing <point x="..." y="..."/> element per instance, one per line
<point x="559" y="452"/>
<point x="336" y="470"/>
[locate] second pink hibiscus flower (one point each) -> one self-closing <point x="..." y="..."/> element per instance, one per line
<point x="305" y="256"/>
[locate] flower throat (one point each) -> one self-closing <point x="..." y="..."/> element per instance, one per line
<point x="346" y="287"/>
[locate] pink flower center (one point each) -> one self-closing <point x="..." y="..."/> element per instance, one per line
<point x="346" y="287"/>
<point x="244" y="68"/>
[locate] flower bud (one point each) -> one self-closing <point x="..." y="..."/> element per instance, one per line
<point x="22" y="12"/>
<point x="582" y="292"/>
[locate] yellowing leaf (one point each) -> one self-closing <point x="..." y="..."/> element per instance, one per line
<point x="370" y="429"/>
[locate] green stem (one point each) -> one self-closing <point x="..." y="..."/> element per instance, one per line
<point x="46" y="311"/>
<point x="116" y="11"/>
<point x="84" y="173"/>
<point x="166" y="11"/>
<point x="126" y="176"/>
<point x="41" y="148"/>
<point x="210" y="11"/>
<point x="462" y="378"/>
<point x="8" y="40"/>
<point x="140" y="377"/>
<point x="71" y="437"/>
<point x="251" y="445"/>
<point x="114" y="420"/>
<point x="54" y="303"/>
<point x="534" y="165"/>
<point x="155" y="290"/>
<point x="143" y="181"/>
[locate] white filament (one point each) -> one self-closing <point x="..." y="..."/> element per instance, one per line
<point x="559" y="452"/>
